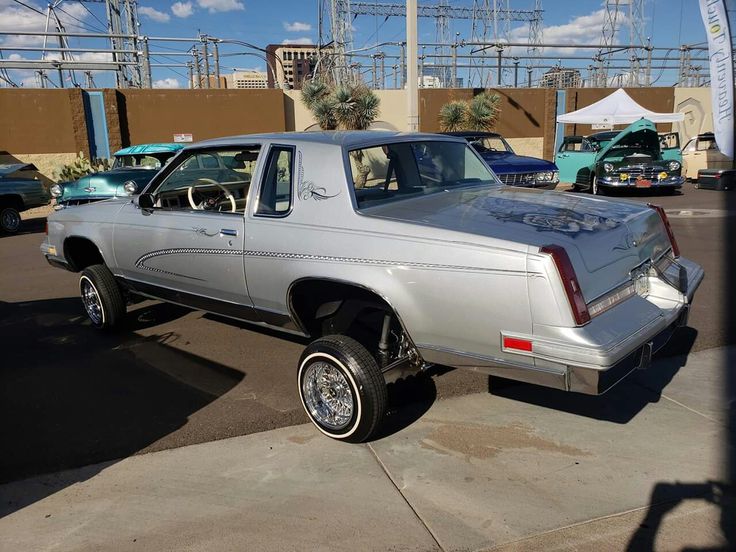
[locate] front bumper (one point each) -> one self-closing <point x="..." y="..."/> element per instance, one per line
<point x="591" y="359"/>
<point x="616" y="182"/>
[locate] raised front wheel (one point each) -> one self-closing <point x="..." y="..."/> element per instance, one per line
<point x="101" y="297"/>
<point x="342" y="388"/>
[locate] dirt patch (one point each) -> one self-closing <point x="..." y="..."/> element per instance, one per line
<point x="300" y="439"/>
<point x="480" y="441"/>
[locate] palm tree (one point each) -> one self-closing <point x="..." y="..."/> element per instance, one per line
<point x="347" y="107"/>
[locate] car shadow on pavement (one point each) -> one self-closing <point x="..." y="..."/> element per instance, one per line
<point x="71" y="396"/>
<point x="621" y="403"/>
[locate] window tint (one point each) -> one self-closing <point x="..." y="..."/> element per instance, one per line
<point x="393" y="171"/>
<point x="275" y="196"/>
<point x="216" y="180"/>
<point x="706" y="144"/>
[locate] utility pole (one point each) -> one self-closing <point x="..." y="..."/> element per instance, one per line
<point x="412" y="91"/>
<point x="500" y="55"/>
<point x="147" y="79"/>
<point x="383" y="69"/>
<point x="402" y="63"/>
<point x="206" y="62"/>
<point x="516" y="72"/>
<point x="216" y="60"/>
<point x="190" y="68"/>
<point x="529" y="76"/>
<point x="374" y="75"/>
<point x="197" y="68"/>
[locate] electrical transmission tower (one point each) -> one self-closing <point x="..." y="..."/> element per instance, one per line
<point x="486" y="16"/>
<point x="619" y="14"/>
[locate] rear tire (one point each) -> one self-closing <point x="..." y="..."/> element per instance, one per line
<point x="342" y="388"/>
<point x="9" y="220"/>
<point x="101" y="296"/>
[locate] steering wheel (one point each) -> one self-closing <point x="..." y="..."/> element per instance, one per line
<point x="210" y="203"/>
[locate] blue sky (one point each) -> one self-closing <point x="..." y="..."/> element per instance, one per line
<point x="261" y="22"/>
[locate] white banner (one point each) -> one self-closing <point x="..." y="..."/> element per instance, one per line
<point x="721" y="71"/>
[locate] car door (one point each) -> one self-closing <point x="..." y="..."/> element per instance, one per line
<point x="571" y="157"/>
<point x="188" y="248"/>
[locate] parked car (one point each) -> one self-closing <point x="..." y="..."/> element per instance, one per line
<point x="135" y="165"/>
<point x="388" y="267"/>
<point x="631" y="158"/>
<point x="19" y="191"/>
<point x="701" y="152"/>
<point x="511" y="169"/>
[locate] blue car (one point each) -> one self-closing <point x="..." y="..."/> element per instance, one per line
<point x="134" y="166"/>
<point x="512" y="169"/>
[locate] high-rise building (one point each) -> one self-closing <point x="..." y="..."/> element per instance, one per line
<point x="293" y="64"/>
<point x="559" y="77"/>
<point x="247" y="79"/>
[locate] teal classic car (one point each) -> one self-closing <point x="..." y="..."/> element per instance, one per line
<point x="132" y="170"/>
<point x="636" y="157"/>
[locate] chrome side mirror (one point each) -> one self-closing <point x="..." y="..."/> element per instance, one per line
<point x="130" y="187"/>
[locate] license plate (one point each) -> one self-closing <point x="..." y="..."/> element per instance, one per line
<point x="643" y="183"/>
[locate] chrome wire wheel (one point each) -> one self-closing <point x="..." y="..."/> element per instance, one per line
<point x="91" y="301"/>
<point x="327" y="395"/>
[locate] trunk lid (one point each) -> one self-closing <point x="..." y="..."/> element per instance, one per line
<point x="604" y="239"/>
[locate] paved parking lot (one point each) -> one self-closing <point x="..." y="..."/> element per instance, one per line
<point x="71" y="396"/>
<point x="175" y="377"/>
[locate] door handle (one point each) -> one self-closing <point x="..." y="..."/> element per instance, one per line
<point x="228" y="232"/>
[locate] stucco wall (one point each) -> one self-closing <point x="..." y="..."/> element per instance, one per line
<point x="696" y="104"/>
<point x="42" y="121"/>
<point x="533" y="147"/>
<point x="156" y="115"/>
<point x="392" y="116"/>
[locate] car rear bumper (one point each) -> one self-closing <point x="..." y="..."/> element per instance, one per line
<point x="589" y="359"/>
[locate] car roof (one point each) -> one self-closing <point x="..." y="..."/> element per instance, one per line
<point x="343" y="138"/>
<point x="467" y="133"/>
<point x="150" y="148"/>
<point x="605" y="135"/>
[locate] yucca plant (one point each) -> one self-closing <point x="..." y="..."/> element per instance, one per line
<point x="453" y="116"/>
<point x="483" y="111"/>
<point x="480" y="114"/>
<point x="346" y="107"/>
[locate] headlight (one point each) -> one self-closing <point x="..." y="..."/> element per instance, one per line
<point x="544" y="176"/>
<point x="673" y="165"/>
<point x="56" y="190"/>
<point x="130" y="187"/>
<point x="555" y="176"/>
<point x="608" y="167"/>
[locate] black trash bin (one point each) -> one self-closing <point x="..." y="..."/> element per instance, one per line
<point x="716" y="179"/>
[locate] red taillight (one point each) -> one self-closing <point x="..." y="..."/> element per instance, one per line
<point x="569" y="282"/>
<point x="516" y="343"/>
<point x="670" y="233"/>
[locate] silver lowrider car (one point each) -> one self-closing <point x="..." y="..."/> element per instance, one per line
<point x="387" y="263"/>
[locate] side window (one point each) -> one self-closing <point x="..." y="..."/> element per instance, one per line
<point x="276" y="189"/>
<point x="690" y="146"/>
<point x="214" y="180"/>
<point x="705" y="144"/>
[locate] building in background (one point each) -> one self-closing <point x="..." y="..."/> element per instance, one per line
<point x="559" y="77"/>
<point x="247" y="79"/>
<point x="293" y="64"/>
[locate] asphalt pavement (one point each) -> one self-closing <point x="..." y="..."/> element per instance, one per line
<point x="73" y="398"/>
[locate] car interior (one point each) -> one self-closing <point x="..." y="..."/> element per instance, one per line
<point x="216" y="180"/>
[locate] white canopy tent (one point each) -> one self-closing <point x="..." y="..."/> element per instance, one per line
<point x="616" y="109"/>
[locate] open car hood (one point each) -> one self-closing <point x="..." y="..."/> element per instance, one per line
<point x="642" y="131"/>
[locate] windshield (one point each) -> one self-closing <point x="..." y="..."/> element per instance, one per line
<point x="390" y="172"/>
<point x="484" y="144"/>
<point x="141" y="161"/>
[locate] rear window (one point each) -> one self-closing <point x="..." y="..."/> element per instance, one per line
<point x="391" y="172"/>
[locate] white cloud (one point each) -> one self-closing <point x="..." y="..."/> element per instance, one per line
<point x="297" y="27"/>
<point x="220" y="5"/>
<point x="583" y="29"/>
<point x="14" y="17"/>
<point x="154" y="14"/>
<point x="167" y="83"/>
<point x="298" y="41"/>
<point x="182" y="9"/>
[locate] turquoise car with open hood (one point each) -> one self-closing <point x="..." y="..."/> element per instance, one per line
<point x="636" y="157"/>
<point x="132" y="170"/>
